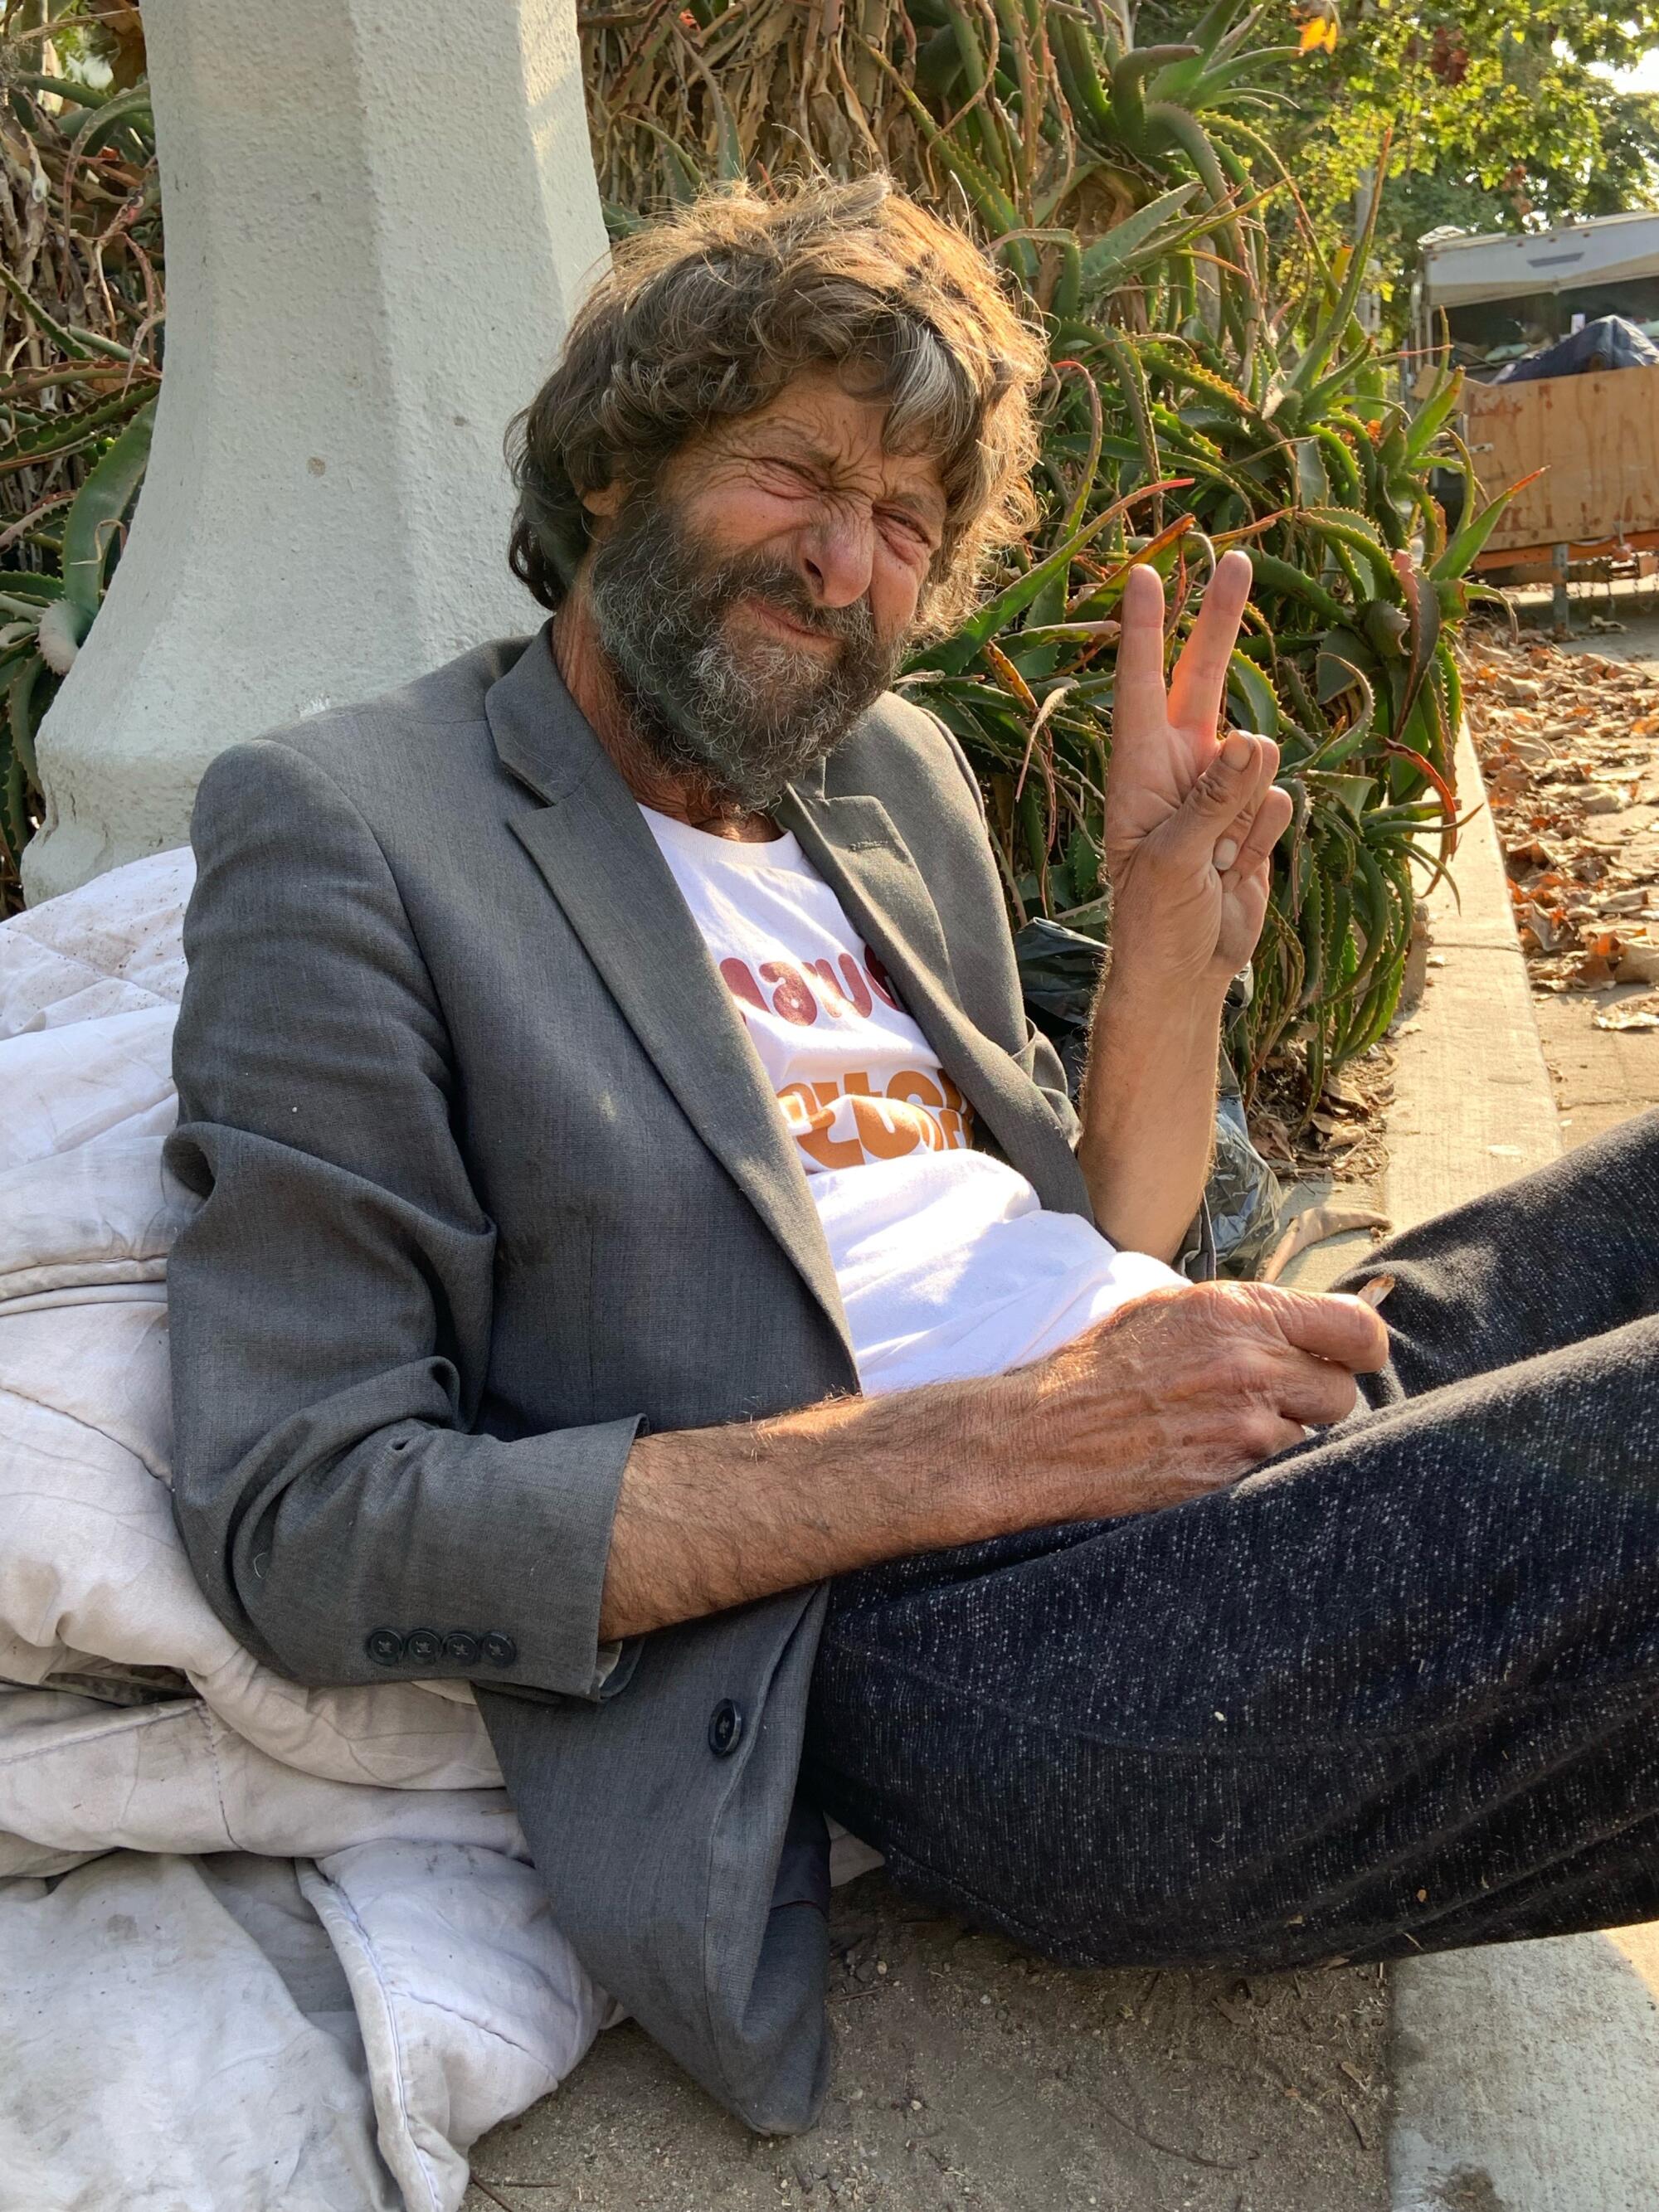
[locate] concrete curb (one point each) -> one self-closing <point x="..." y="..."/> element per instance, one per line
<point x="1523" y="2075"/>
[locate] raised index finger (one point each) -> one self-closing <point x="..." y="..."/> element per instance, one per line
<point x="1139" y="706"/>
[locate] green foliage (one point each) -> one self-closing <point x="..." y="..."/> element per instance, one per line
<point x="44" y="618"/>
<point x="80" y="328"/>
<point x="1203" y="394"/>
<point x="1210" y="385"/>
<point x="1503" y="116"/>
<point x="1345" y="661"/>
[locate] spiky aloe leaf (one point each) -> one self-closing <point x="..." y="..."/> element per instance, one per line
<point x="22" y="714"/>
<point x="22" y="590"/>
<point x="78" y="344"/>
<point x="1466" y="546"/>
<point x="1114" y="256"/>
<point x="953" y="654"/>
<point x="1128" y="88"/>
<point x="1333" y="328"/>
<point x="94" y="517"/>
<point x="1337" y="526"/>
<point x="70" y="432"/>
<point x="1246" y="685"/>
<point x="1433" y="417"/>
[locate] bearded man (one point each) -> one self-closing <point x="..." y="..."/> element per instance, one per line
<point x="649" y="1268"/>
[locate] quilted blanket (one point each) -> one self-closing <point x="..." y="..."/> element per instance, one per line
<point x="260" y="1946"/>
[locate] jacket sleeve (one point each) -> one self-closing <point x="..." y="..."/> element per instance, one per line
<point x="330" y="1300"/>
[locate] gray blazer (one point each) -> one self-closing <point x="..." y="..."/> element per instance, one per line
<point x="492" y="1181"/>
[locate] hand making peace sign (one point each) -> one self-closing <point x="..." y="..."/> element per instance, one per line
<point x="1190" y="820"/>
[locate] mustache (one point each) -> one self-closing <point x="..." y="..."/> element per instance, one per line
<point x="746" y="717"/>
<point x="778" y="585"/>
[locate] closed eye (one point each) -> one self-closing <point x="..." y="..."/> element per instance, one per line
<point x="910" y="529"/>
<point x="800" y="479"/>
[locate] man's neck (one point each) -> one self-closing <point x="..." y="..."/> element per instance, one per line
<point x="682" y="795"/>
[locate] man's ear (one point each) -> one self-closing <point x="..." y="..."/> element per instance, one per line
<point x="606" y="501"/>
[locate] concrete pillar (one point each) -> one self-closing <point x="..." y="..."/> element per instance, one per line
<point x="380" y="214"/>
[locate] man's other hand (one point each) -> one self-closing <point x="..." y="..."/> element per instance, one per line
<point x="1191" y="820"/>
<point x="1173" y="1395"/>
<point x="1183" y="1390"/>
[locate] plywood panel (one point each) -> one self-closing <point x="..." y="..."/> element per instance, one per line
<point x="1597" y="437"/>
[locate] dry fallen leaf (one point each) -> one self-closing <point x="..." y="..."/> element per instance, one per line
<point x="1533" y="854"/>
<point x="1634" y="1014"/>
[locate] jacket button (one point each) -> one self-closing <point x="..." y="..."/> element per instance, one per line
<point x="384" y="1646"/>
<point x="500" y="1651"/>
<point x="724" y="1728"/>
<point x="424" y="1646"/>
<point x="462" y="1646"/>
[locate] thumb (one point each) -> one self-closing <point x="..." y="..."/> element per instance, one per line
<point x="1216" y="799"/>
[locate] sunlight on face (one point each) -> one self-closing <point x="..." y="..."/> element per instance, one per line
<point x="808" y="482"/>
<point x="758" y="598"/>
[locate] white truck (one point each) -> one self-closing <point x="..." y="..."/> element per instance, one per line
<point x="1589" y="444"/>
<point x="1502" y="295"/>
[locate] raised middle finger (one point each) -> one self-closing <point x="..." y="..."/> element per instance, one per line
<point x="1198" y="688"/>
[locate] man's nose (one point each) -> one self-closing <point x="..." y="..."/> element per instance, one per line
<point x="837" y="558"/>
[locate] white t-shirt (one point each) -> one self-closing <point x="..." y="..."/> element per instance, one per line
<point x="947" y="1264"/>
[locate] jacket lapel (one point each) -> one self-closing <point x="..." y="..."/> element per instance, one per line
<point x="602" y="865"/>
<point x="856" y="848"/>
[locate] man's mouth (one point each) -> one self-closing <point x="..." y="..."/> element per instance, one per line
<point x="786" y="624"/>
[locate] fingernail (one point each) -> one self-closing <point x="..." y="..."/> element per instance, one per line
<point x="1225" y="853"/>
<point x="1236" y="750"/>
<point x="1377" y="1290"/>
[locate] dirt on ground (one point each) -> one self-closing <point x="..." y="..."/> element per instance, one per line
<point x="971" y="2076"/>
<point x="1569" y="742"/>
<point x="1343" y="1139"/>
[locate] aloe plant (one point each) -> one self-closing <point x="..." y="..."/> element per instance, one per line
<point x="80" y="313"/>
<point x="1198" y="399"/>
<point x="44" y="618"/>
<point x="1345" y="660"/>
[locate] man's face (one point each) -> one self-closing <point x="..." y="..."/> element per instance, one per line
<point x="758" y="598"/>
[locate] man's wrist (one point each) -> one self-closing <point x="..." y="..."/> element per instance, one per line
<point x="1140" y="986"/>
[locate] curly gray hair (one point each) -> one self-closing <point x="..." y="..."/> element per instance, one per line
<point x="709" y="313"/>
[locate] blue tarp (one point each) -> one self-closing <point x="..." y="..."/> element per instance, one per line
<point x="1608" y="343"/>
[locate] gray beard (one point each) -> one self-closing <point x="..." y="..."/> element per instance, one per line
<point x="747" y="720"/>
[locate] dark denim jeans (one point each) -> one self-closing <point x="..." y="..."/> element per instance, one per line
<point x="1398" y="1690"/>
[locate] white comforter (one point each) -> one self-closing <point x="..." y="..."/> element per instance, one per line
<point x="259" y="1946"/>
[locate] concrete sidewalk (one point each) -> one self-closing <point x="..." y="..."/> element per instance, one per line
<point x="1524" y="2075"/>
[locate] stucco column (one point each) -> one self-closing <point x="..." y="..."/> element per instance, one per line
<point x="380" y="214"/>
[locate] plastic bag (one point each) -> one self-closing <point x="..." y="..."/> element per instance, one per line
<point x="1059" y="974"/>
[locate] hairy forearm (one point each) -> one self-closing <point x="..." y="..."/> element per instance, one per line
<point x="1149" y="1107"/>
<point x="1167" y="1397"/>
<point x="708" y="1518"/>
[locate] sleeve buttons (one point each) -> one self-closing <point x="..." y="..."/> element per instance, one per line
<point x="724" y="1728"/>
<point x="427" y="1647"/>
